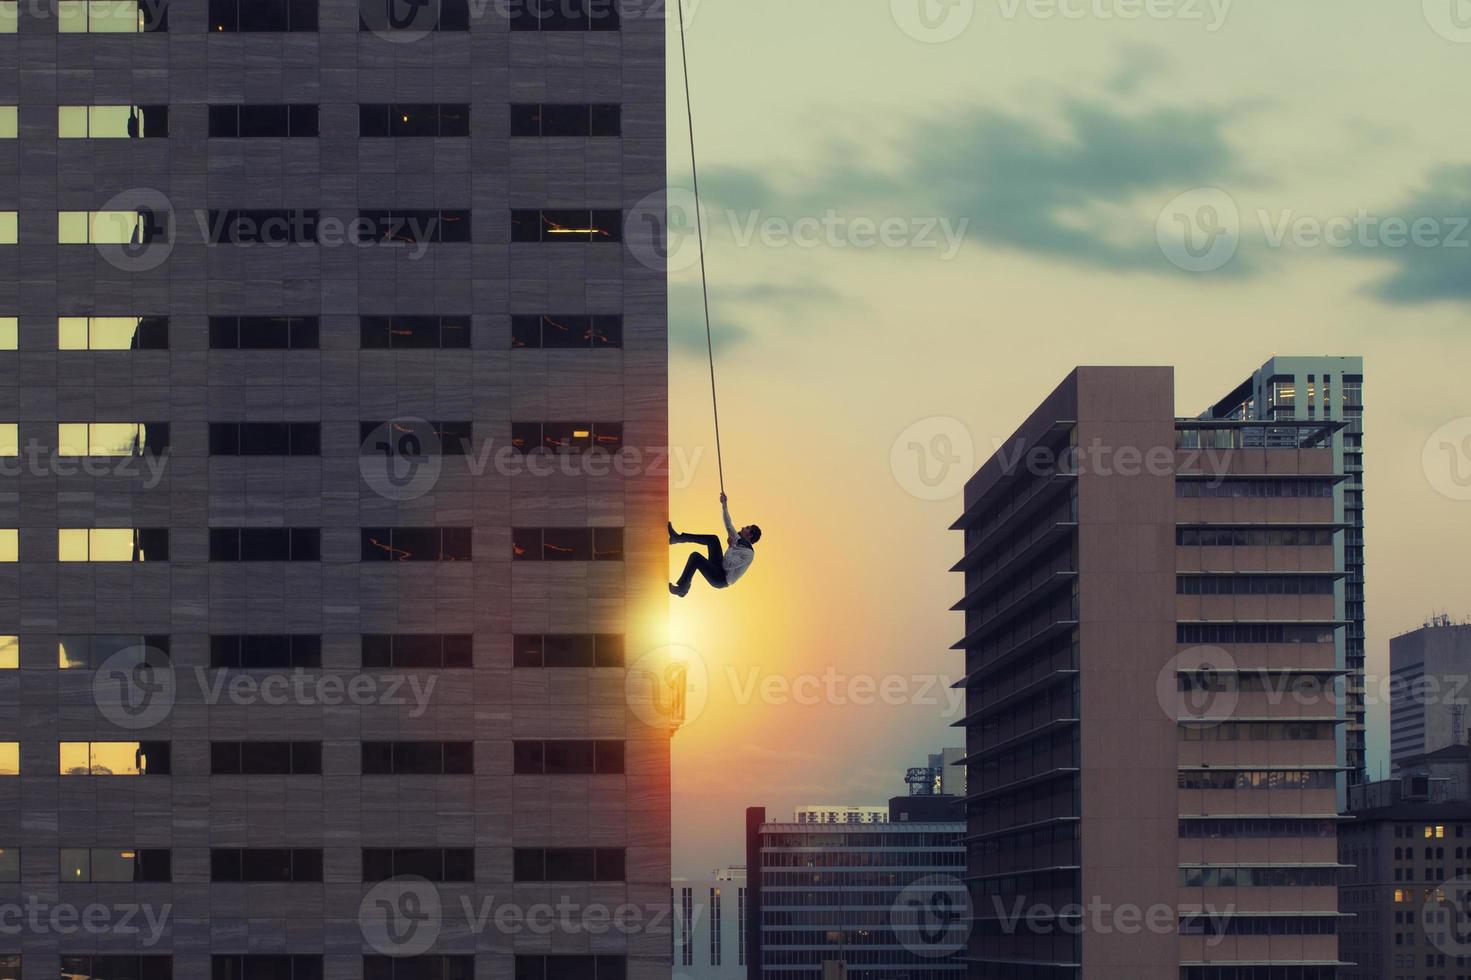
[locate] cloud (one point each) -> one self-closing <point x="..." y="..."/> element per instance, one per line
<point x="687" y="312"/>
<point x="1440" y="268"/>
<point x="1070" y="188"/>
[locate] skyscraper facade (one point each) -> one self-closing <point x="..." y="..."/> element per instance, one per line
<point x="333" y="377"/>
<point x="1140" y="803"/>
<point x="1429" y="672"/>
<point x="1325" y="389"/>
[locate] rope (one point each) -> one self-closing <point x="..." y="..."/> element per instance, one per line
<point x="700" y="234"/>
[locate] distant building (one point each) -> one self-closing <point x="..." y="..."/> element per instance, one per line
<point x="1324" y="389"/>
<point x="1407" y="852"/>
<point x="927" y="809"/>
<point x="710" y="926"/>
<point x="867" y="901"/>
<point x="1429" y="696"/>
<point x="837" y="813"/>
<point x="1136" y="587"/>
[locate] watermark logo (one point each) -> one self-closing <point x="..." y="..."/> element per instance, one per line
<point x="146" y="924"/>
<point x="668" y="687"/>
<point x="1447" y="459"/>
<point x="400" y="21"/>
<point x="1200" y="230"/>
<point x="151" y="235"/>
<point x="1199" y="686"/>
<point x="933" y="21"/>
<point x="1451" y="19"/>
<point x="402" y="916"/>
<point x="135" y="688"/>
<point x="932" y="917"/>
<point x="1446" y="917"/>
<point x="401" y="459"/>
<point x="662" y="230"/>
<point x="933" y="458"/>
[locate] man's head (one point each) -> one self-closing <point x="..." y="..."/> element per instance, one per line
<point x="750" y="534"/>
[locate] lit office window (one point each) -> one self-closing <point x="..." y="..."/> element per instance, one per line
<point x="9" y="544"/>
<point x="112" y="122"/>
<point x="9" y="124"/>
<point x="112" y="333"/>
<point x="9" y="21"/>
<point x="9" y="227"/>
<point x="137" y="227"/>
<point x="114" y="758"/>
<point x="115" y="865"/>
<point x="112" y="544"/>
<point x="9" y="333"/>
<point x="9" y="758"/>
<point x="111" y="16"/>
<point x="9" y="439"/>
<point x="99" y="439"/>
<point x="9" y="652"/>
<point x="89" y="651"/>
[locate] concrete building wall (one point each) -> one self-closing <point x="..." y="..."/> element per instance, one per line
<point x="340" y="598"/>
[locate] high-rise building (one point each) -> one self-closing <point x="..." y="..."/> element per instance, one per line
<point x="336" y="359"/>
<point x="1325" y="389"/>
<point x="1407" y="879"/>
<point x="710" y="926"/>
<point x="1137" y="587"/>
<point x="867" y="901"/>
<point x="1430" y="689"/>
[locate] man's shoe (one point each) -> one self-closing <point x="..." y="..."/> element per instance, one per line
<point x="673" y="534"/>
<point x="676" y="590"/>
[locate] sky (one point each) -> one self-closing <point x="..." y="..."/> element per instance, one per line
<point x="922" y="214"/>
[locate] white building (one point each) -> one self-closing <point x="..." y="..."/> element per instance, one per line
<point x="710" y="926"/>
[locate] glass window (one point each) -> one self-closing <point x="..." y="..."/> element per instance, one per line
<point x="9" y="439"/>
<point x="9" y="230"/>
<point x="9" y="127"/>
<point x="114" y="758"/>
<point x="112" y="333"/>
<point x="9" y="758"/>
<point x="9" y="652"/>
<point x="98" y="439"/>
<point x="111" y="544"/>
<point x="110" y="16"/>
<point x="9" y="864"/>
<point x="9" y="16"/>
<point x="9" y="333"/>
<point x="105" y="122"/>
<point x="9" y="544"/>
<point x="108" y="227"/>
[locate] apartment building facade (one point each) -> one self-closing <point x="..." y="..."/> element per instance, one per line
<point x="1137" y="587"/>
<point x="333" y="373"/>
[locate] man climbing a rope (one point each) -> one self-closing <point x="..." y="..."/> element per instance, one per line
<point x="720" y="569"/>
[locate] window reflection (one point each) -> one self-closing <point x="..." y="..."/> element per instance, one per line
<point x="104" y="122"/>
<point x="114" y="758"/>
<point x="137" y="227"/>
<point x="120" y="544"/>
<point x="9" y="652"/>
<point x="9" y="758"/>
<point x="112" y="333"/>
<point x="110" y="16"/>
<point x="98" y="439"/>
